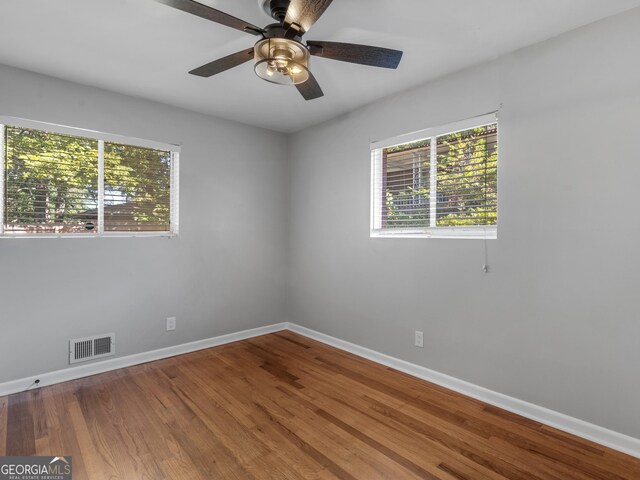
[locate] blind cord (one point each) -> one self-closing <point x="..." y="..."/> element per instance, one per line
<point x="485" y="267"/>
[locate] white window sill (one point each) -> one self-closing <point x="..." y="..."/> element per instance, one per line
<point x="480" y="233"/>
<point x="93" y="236"/>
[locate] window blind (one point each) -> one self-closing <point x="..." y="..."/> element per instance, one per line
<point x="136" y="189"/>
<point x="51" y="182"/>
<point x="60" y="184"/>
<point x="406" y="185"/>
<point x="467" y="178"/>
<point x="442" y="185"/>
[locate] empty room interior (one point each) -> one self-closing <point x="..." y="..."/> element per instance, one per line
<point x="316" y="239"/>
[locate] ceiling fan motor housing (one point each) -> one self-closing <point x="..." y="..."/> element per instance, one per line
<point x="276" y="9"/>
<point x="276" y="30"/>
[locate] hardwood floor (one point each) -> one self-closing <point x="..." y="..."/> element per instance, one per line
<point x="286" y="407"/>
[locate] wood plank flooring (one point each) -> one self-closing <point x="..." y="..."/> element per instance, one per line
<point x="282" y="406"/>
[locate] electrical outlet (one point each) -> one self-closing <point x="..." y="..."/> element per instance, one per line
<point x="419" y="339"/>
<point x="171" y="323"/>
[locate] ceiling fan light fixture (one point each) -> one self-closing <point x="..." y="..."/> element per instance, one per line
<point x="282" y="61"/>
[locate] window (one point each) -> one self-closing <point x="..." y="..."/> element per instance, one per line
<point x="60" y="181"/>
<point x="440" y="182"/>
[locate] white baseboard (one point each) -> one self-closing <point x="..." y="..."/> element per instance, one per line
<point x="580" y="428"/>
<point x="89" y="369"/>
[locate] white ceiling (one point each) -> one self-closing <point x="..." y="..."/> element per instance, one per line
<point x="143" y="48"/>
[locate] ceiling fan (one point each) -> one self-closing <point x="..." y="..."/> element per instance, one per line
<point x="280" y="56"/>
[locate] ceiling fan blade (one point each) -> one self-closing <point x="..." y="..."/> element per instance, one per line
<point x="203" y="11"/>
<point x="352" y="53"/>
<point x="223" y="64"/>
<point x="310" y="89"/>
<point x="302" y="14"/>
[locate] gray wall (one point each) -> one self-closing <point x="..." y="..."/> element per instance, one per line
<point x="556" y="321"/>
<point x="224" y="274"/>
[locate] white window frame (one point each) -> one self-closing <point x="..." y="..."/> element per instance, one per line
<point x="102" y="138"/>
<point x="467" y="232"/>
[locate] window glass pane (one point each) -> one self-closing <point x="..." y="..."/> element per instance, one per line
<point x="467" y="180"/>
<point x="406" y="185"/>
<point x="136" y="189"/>
<point x="51" y="182"/>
